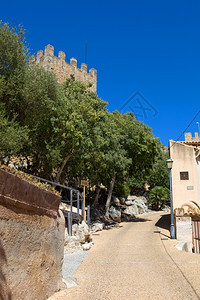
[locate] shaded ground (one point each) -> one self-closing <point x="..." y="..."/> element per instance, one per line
<point x="136" y="261"/>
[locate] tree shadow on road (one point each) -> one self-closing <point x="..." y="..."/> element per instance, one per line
<point x="134" y="219"/>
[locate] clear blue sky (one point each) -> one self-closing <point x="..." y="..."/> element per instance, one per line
<point x="152" y="47"/>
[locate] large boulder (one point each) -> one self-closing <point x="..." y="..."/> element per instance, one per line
<point x="115" y="213"/>
<point x="137" y="207"/>
<point x="133" y="198"/>
<point x="131" y="210"/>
<point x="144" y="199"/>
<point x="96" y="214"/>
<point x="142" y="208"/>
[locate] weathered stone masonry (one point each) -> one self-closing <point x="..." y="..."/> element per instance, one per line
<point x="63" y="70"/>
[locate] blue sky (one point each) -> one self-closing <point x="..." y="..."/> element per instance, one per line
<point x="151" y="48"/>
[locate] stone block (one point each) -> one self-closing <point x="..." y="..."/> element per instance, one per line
<point x="184" y="229"/>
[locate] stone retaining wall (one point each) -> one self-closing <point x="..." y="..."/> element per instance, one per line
<point x="31" y="240"/>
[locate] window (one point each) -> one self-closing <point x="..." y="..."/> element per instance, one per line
<point x="184" y="175"/>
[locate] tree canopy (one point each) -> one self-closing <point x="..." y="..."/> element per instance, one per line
<point x="65" y="131"/>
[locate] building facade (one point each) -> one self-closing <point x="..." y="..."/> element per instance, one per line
<point x="186" y="171"/>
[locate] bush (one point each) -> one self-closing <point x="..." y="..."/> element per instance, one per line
<point x="158" y="196"/>
<point x="122" y="189"/>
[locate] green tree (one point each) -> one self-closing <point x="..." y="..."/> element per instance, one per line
<point x="159" y="175"/>
<point x="75" y="126"/>
<point x="29" y="98"/>
<point x="12" y="137"/>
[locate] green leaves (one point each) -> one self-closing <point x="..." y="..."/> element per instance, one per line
<point x="158" y="195"/>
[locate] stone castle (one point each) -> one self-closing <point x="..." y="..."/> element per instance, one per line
<point x="63" y="70"/>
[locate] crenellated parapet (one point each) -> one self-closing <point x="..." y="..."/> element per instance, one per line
<point x="190" y="139"/>
<point x="62" y="69"/>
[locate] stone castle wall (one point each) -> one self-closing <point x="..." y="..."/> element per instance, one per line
<point x="63" y="70"/>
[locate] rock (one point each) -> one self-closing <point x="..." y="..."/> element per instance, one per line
<point x="115" y="213"/>
<point x="128" y="202"/>
<point x="115" y="200"/>
<point x="72" y="244"/>
<point x="131" y="210"/>
<point x="87" y="246"/>
<point x="63" y="206"/>
<point x="122" y="200"/>
<point x="142" y="208"/>
<point x="97" y="226"/>
<point x="74" y="229"/>
<point x="83" y="232"/>
<point x="131" y="197"/>
<point x="137" y="207"/>
<point x="144" y="199"/>
<point x="96" y="214"/>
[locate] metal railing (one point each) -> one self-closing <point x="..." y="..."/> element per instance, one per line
<point x="70" y="215"/>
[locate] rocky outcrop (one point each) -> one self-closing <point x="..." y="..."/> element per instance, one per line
<point x="31" y="240"/>
<point x="115" y="213"/>
<point x="135" y="207"/>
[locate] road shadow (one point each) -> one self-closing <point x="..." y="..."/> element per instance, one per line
<point x="164" y="222"/>
<point x="134" y="219"/>
<point x="5" y="293"/>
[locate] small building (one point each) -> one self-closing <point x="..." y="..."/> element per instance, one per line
<point x="185" y="189"/>
<point x="185" y="171"/>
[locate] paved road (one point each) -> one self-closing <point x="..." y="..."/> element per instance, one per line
<point x="136" y="261"/>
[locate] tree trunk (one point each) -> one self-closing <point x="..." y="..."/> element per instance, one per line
<point x="96" y="200"/>
<point x="110" y="195"/>
<point x="62" y="167"/>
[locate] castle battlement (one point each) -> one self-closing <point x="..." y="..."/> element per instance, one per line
<point x="190" y="139"/>
<point x="62" y="69"/>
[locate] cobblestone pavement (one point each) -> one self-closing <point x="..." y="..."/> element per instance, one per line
<point x="136" y="261"/>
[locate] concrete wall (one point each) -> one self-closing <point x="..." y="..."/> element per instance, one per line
<point x="31" y="240"/>
<point x="185" y="160"/>
<point x="63" y="70"/>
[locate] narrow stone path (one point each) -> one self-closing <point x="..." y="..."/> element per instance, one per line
<point x="136" y="261"/>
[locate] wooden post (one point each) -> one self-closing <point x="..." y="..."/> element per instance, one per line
<point x="84" y="183"/>
<point x="84" y="215"/>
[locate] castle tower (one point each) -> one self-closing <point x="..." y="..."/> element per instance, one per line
<point x="63" y="70"/>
